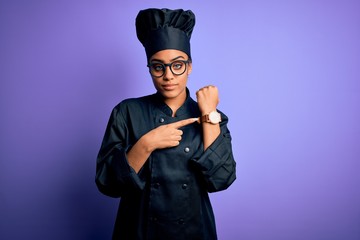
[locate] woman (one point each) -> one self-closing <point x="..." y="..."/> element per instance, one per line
<point x="162" y="153"/>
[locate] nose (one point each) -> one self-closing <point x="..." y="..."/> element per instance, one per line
<point x="168" y="75"/>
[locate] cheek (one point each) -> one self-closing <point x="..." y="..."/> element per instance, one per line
<point x="184" y="80"/>
<point x="155" y="82"/>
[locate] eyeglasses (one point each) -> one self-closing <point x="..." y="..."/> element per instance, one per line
<point x="157" y="69"/>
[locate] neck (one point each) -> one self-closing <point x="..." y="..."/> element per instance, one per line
<point x="175" y="103"/>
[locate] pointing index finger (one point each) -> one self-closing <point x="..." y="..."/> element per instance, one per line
<point x="184" y="122"/>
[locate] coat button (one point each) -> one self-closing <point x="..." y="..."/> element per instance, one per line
<point x="186" y="149"/>
<point x="161" y="120"/>
<point x="181" y="221"/>
<point x="184" y="186"/>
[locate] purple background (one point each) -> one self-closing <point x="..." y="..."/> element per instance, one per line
<point x="289" y="79"/>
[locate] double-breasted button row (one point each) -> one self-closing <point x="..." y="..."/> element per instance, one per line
<point x="183" y="186"/>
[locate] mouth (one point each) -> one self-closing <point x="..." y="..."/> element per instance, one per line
<point x="169" y="87"/>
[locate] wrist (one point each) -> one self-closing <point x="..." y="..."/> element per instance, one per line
<point x="212" y="117"/>
<point x="146" y="144"/>
<point x="207" y="111"/>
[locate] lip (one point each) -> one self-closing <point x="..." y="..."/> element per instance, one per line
<point x="169" y="87"/>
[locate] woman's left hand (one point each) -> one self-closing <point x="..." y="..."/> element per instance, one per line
<point x="207" y="98"/>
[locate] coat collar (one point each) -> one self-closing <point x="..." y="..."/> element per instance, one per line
<point x="167" y="110"/>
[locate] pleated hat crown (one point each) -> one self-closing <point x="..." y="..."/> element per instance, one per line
<point x="160" y="29"/>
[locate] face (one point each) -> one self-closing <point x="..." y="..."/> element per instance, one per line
<point x="170" y="85"/>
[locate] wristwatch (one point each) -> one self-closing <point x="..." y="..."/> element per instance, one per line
<point x="213" y="117"/>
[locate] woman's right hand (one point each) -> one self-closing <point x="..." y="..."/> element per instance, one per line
<point x="166" y="136"/>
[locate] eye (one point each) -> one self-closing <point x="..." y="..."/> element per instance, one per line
<point x="157" y="67"/>
<point x="177" y="65"/>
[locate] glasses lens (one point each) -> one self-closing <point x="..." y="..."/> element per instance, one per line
<point x="178" y="67"/>
<point x="157" y="69"/>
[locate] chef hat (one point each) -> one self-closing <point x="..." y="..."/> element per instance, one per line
<point x="160" y="29"/>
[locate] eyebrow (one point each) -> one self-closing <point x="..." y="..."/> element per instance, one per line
<point x="158" y="60"/>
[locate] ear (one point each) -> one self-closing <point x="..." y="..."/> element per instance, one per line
<point x="189" y="69"/>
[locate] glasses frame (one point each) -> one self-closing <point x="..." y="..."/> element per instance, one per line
<point x="164" y="65"/>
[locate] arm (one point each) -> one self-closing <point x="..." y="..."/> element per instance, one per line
<point x="119" y="162"/>
<point x="216" y="164"/>
<point x="208" y="99"/>
<point x="114" y="176"/>
<point x="164" y="136"/>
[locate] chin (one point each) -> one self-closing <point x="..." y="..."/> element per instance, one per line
<point x="170" y="94"/>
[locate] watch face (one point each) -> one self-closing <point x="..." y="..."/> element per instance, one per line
<point x="214" y="117"/>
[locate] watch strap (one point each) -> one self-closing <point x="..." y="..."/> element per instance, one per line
<point x="204" y="118"/>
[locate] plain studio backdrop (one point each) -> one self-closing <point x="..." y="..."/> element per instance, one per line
<point x="288" y="73"/>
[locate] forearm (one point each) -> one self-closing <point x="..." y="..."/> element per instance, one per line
<point x="164" y="136"/>
<point x="139" y="153"/>
<point x="210" y="133"/>
<point x="208" y="99"/>
<point x="114" y="175"/>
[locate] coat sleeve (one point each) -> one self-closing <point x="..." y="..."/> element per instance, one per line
<point x="114" y="176"/>
<point x="217" y="164"/>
